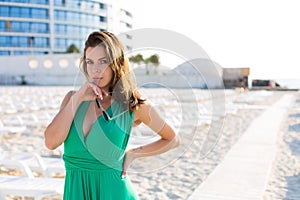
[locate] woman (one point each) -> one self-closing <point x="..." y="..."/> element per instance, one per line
<point x="94" y="123"/>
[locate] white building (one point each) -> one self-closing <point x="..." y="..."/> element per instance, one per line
<point x="35" y="34"/>
<point x="31" y="27"/>
<point x="56" y="69"/>
<point x="197" y="73"/>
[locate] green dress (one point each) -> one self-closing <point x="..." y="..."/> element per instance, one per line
<point x="94" y="164"/>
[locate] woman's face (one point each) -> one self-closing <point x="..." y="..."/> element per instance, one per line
<point x="98" y="68"/>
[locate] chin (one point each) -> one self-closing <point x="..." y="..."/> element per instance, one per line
<point x="103" y="86"/>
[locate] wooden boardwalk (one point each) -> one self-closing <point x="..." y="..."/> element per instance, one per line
<point x="244" y="172"/>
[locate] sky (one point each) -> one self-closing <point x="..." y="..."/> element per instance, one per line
<point x="261" y="34"/>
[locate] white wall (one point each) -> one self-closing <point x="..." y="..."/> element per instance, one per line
<point x="53" y="69"/>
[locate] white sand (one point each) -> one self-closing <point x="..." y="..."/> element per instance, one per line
<point x="284" y="182"/>
<point x="173" y="175"/>
<point x="178" y="180"/>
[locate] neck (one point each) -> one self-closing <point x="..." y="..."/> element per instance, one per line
<point x="106" y="99"/>
<point x="105" y="89"/>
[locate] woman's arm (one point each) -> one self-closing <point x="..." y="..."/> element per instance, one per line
<point x="149" y="116"/>
<point x="58" y="130"/>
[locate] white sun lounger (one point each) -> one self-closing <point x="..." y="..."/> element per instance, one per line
<point x="49" y="167"/>
<point x="30" y="187"/>
<point x="27" y="185"/>
<point x="7" y="131"/>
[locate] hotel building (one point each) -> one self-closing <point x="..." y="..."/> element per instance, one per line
<point x="31" y="27"/>
<point x="35" y="34"/>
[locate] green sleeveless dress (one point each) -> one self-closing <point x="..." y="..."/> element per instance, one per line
<point x="94" y="164"/>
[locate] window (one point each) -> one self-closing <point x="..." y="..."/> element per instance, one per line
<point x="34" y="27"/>
<point x="15" y="12"/>
<point x="60" y="29"/>
<point x="39" y="28"/>
<point x="102" y="19"/>
<point x="83" y="17"/>
<point x="60" y="15"/>
<point x="39" y="52"/>
<point x="41" y="42"/>
<point x="4" y="11"/>
<point x="14" y="41"/>
<point x="25" y="27"/>
<point x="39" y="1"/>
<point x="70" y="16"/>
<point x="42" y="28"/>
<point x="23" y="42"/>
<point x="15" y="26"/>
<point x="21" y="52"/>
<point x="102" y="5"/>
<point x="59" y="2"/>
<point x="5" y="41"/>
<point x="39" y="13"/>
<point x="18" y="41"/>
<point x="25" y="12"/>
<point x="74" y="4"/>
<point x="60" y="43"/>
<point x="4" y="53"/>
<point x="2" y="26"/>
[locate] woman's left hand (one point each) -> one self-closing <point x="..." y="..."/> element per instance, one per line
<point x="128" y="159"/>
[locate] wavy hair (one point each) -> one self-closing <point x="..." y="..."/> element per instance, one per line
<point x="123" y="85"/>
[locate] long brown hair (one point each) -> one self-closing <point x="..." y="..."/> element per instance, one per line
<point x="122" y="86"/>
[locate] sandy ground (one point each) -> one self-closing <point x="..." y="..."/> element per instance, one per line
<point x="178" y="180"/>
<point x="284" y="182"/>
<point x="176" y="174"/>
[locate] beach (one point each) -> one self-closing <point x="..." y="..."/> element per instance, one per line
<point x="284" y="180"/>
<point x="205" y="140"/>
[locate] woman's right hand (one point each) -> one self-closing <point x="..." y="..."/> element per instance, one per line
<point x="90" y="91"/>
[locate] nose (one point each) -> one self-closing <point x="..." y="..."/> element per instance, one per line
<point x="97" y="68"/>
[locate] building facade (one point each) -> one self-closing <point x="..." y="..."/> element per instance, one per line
<point x="35" y="27"/>
<point x="196" y="73"/>
<point x="236" y="77"/>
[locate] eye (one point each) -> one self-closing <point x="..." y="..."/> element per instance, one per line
<point x="88" y="62"/>
<point x="103" y="61"/>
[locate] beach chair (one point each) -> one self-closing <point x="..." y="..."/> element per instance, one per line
<point x="11" y="131"/>
<point x="48" y="167"/>
<point x="27" y="185"/>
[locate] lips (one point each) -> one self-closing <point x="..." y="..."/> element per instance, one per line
<point x="97" y="78"/>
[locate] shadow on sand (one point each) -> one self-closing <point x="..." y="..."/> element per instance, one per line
<point x="293" y="183"/>
<point x="294" y="128"/>
<point x="294" y="115"/>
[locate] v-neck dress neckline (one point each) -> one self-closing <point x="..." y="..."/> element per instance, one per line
<point x="94" y="166"/>
<point x="86" y="107"/>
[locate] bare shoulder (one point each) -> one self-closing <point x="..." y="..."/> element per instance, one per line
<point x="145" y="112"/>
<point x="67" y="98"/>
<point x="143" y="108"/>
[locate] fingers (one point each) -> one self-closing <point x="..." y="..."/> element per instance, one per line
<point x="125" y="166"/>
<point x="104" y="93"/>
<point x="123" y="174"/>
<point x="98" y="91"/>
<point x="128" y="159"/>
